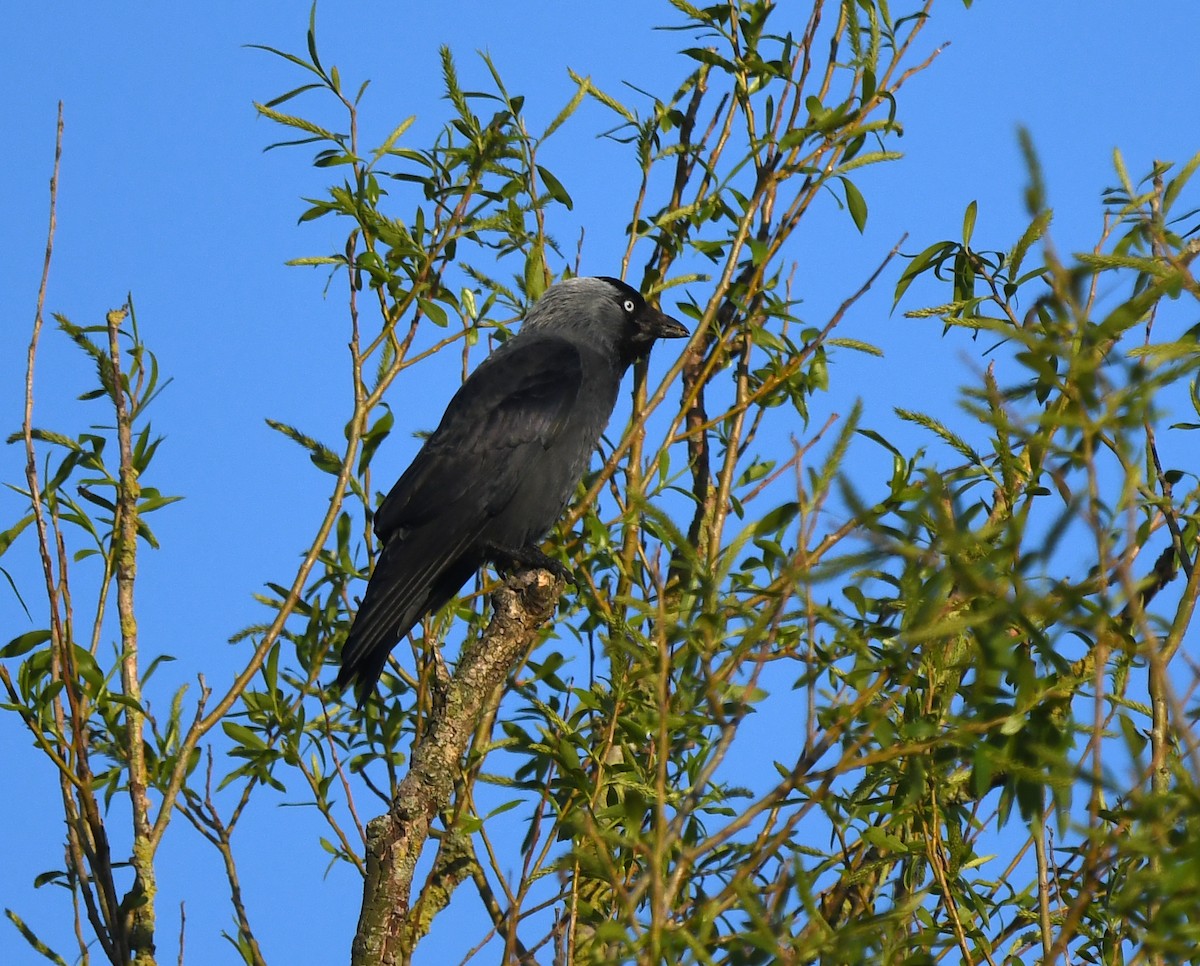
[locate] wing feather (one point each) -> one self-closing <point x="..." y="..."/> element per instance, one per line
<point x="433" y="521"/>
<point x="519" y="397"/>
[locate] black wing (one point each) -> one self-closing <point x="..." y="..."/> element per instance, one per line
<point x="510" y="410"/>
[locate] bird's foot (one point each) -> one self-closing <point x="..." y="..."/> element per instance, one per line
<point x="507" y="561"/>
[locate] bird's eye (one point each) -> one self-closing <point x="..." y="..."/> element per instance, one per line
<point x="629" y="306"/>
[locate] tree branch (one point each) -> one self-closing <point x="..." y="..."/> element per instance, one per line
<point x="387" y="929"/>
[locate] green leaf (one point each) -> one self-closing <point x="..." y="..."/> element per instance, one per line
<point x="706" y="55"/>
<point x="506" y="807"/>
<point x="283" y="98"/>
<point x="884" y="840"/>
<point x="969" y="223"/>
<point x="96" y="500"/>
<point x="775" y="520"/>
<point x="1176" y="184"/>
<point x="243" y="735"/>
<point x="311" y="36"/>
<point x="8" y="536"/>
<point x="434" y="312"/>
<point x="54" y="876"/>
<point x="856" y="203"/>
<point x="373" y="437"/>
<point x="12" y="584"/>
<point x="125" y="701"/>
<point x="33" y="940"/>
<point x="555" y="189"/>
<point x="923" y="261"/>
<point x="292" y="58"/>
<point x="25" y="643"/>
<point x="332" y="158"/>
<point x="153" y="501"/>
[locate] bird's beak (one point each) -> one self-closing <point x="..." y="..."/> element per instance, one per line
<point x="659" y="326"/>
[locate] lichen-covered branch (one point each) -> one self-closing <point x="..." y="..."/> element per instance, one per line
<point x="138" y="905"/>
<point x="387" y="928"/>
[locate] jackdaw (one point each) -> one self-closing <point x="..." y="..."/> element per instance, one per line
<point x="491" y="480"/>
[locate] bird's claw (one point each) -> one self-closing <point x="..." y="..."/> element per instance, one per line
<point x="508" y="561"/>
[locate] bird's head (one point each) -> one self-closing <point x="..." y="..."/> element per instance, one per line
<point x="604" y="310"/>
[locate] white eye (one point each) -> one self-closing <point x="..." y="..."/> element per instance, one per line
<point x="629" y="306"/>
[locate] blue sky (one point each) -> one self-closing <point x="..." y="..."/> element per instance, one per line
<point x="165" y="192"/>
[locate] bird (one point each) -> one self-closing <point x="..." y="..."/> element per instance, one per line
<point x="489" y="483"/>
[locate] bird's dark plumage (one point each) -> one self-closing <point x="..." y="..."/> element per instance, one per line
<point x="500" y="468"/>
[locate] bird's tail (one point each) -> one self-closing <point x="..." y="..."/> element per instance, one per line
<point x="390" y="609"/>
